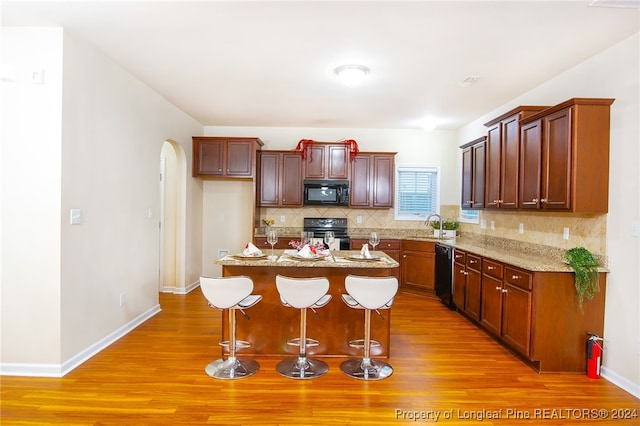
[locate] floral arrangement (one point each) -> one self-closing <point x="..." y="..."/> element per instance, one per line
<point x="268" y="222"/>
<point x="315" y="247"/>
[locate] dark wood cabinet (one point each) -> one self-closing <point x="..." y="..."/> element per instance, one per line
<point x="326" y="161"/>
<point x="473" y="174"/>
<point x="418" y="265"/>
<point x="473" y="278"/>
<point x="279" y="179"/>
<point x="492" y="295"/>
<point x="262" y="244"/>
<point x="502" y="164"/>
<point x="372" y="180"/>
<point x="516" y="317"/>
<point x="224" y="157"/>
<point x="535" y="314"/>
<point x="571" y="143"/>
<point x="459" y="278"/>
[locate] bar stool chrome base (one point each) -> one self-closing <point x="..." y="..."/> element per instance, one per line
<point x="302" y="368"/>
<point x="366" y="369"/>
<point x="232" y="368"/>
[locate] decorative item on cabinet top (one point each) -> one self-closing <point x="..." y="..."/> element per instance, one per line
<point x="217" y="157"/>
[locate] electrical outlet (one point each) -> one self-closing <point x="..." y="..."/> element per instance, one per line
<point x="493" y="225"/>
<point x="359" y="219"/>
<point x="123" y="299"/>
<point x="565" y="233"/>
<point x="222" y="253"/>
<point x="635" y="228"/>
<point x="521" y="228"/>
<point x="483" y="224"/>
<point x="282" y="219"/>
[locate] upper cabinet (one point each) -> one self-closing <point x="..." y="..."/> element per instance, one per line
<point x="544" y="158"/>
<point x="279" y="178"/>
<point x="565" y="157"/>
<point x="326" y="161"/>
<point x="217" y="157"/>
<point x="372" y="177"/>
<point x="503" y="144"/>
<point x="473" y="174"/>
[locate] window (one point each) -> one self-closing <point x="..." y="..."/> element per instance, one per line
<point x="417" y="191"/>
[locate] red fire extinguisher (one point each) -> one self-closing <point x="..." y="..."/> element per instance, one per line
<point x="594" y="356"/>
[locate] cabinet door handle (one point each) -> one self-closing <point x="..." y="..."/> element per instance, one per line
<point x="543" y="200"/>
<point x="515" y="277"/>
<point x="472" y="262"/>
<point x="463" y="272"/>
<point x="535" y="200"/>
<point x="504" y="290"/>
<point x="490" y="268"/>
<point x="496" y="201"/>
<point x="498" y="288"/>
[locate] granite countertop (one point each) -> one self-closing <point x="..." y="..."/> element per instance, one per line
<point x="337" y="259"/>
<point x="531" y="257"/>
<point x="528" y="256"/>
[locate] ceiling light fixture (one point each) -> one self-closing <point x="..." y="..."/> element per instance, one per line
<point x="352" y="75"/>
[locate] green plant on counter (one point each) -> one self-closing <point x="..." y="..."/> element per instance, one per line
<point x="447" y="225"/>
<point x="585" y="266"/>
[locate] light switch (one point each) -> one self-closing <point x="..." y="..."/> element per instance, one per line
<point x="75" y="216"/>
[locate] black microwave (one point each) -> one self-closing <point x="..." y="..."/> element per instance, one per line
<point x="326" y="192"/>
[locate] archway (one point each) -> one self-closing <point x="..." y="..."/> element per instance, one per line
<point x="172" y="218"/>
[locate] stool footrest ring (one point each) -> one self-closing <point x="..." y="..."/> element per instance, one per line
<point x="309" y="343"/>
<point x="240" y="344"/>
<point x="359" y="343"/>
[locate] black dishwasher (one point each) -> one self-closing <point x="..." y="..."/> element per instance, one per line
<point x="444" y="274"/>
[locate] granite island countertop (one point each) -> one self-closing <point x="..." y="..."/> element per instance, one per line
<point x="337" y="259"/>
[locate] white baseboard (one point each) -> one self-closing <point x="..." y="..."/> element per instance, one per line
<point x="621" y="382"/>
<point x="181" y="290"/>
<point x="59" y="370"/>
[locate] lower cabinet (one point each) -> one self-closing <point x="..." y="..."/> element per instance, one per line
<point x="473" y="286"/>
<point x="262" y="244"/>
<point x="535" y="314"/>
<point x="418" y="265"/>
<point x="506" y="305"/>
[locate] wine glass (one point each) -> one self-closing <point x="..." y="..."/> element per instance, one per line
<point x="374" y="239"/>
<point x="306" y="238"/>
<point x="272" y="238"/>
<point x="329" y="238"/>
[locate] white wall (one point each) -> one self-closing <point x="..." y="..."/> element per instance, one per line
<point x="31" y="197"/>
<point x="101" y="155"/>
<point x="613" y="73"/>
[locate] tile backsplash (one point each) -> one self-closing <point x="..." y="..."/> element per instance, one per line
<point x="540" y="228"/>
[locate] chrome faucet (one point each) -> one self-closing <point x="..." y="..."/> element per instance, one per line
<point x="426" y="222"/>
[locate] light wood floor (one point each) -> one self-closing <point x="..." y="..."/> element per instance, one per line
<point x="443" y="366"/>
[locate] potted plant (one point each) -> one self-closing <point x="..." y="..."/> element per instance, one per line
<point x="585" y="266"/>
<point x="449" y="228"/>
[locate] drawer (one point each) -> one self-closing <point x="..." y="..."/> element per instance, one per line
<point x="413" y="245"/>
<point x="491" y="268"/>
<point x="459" y="256"/>
<point x="518" y="277"/>
<point x="389" y="245"/>
<point x="474" y="262"/>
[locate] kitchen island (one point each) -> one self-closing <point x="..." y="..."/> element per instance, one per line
<point x="272" y="324"/>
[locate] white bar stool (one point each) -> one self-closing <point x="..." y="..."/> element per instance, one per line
<point x="232" y="294"/>
<point x="303" y="294"/>
<point x="369" y="294"/>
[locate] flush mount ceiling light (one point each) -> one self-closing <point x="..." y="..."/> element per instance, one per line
<point x="352" y="75"/>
